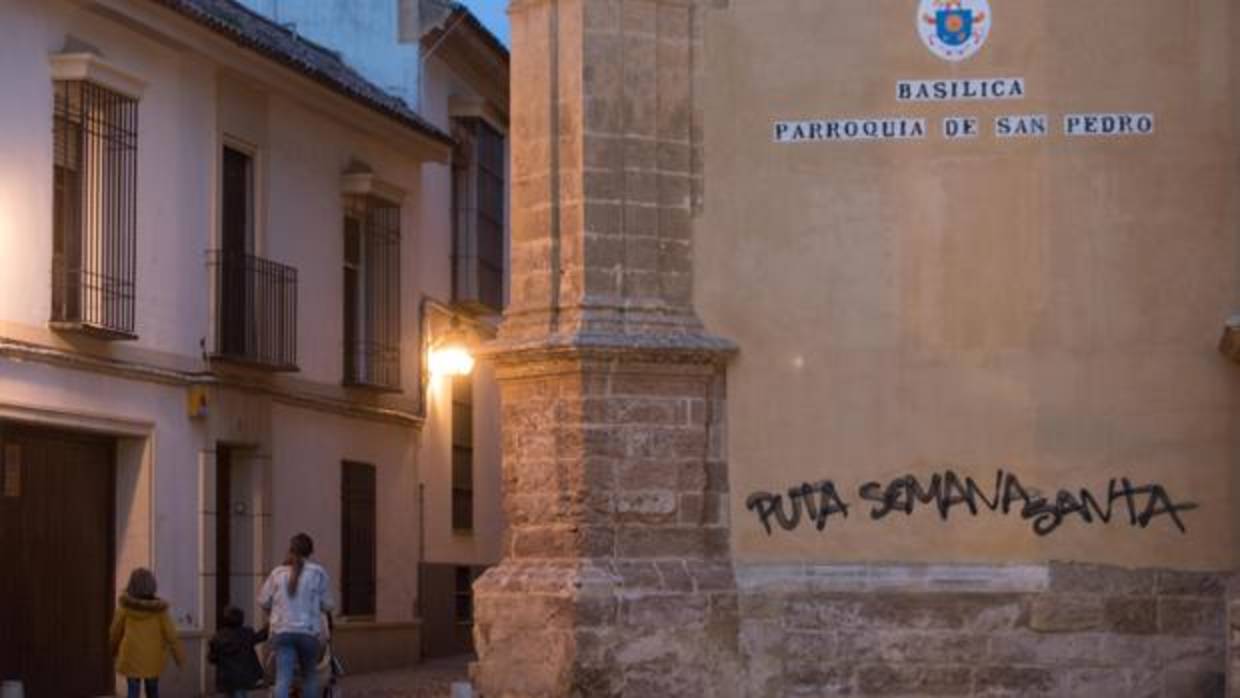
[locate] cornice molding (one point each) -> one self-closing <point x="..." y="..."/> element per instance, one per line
<point x="91" y="68"/>
<point x="368" y="184"/>
<point x="460" y="106"/>
<point x="21" y="351"/>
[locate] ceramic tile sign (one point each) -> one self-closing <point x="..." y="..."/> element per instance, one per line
<point x="1108" y="124"/>
<point x="960" y="127"/>
<point x="975" y="89"/>
<point x="872" y="129"/>
<point x="1022" y="126"/>
<point x="954" y="29"/>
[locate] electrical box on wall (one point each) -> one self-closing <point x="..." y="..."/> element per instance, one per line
<point x="196" y="404"/>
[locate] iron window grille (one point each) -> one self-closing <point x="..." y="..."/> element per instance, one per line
<point x="371" y="292"/>
<point x="94" y="209"/>
<point x="478" y="203"/>
<point x="463" y="454"/>
<point x="255" y="310"/>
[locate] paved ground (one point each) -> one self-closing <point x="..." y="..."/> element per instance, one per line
<point x="432" y="679"/>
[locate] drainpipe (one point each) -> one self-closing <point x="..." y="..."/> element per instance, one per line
<point x="419" y="607"/>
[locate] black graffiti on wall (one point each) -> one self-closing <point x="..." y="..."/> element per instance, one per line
<point x="1139" y="505"/>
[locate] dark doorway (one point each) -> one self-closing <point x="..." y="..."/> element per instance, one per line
<point x="223" y="529"/>
<point x="56" y="580"/>
<point x="445" y="593"/>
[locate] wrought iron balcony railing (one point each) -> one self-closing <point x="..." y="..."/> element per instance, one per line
<point x="255" y="310"/>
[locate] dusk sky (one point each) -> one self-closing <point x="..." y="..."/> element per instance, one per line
<point x="492" y="14"/>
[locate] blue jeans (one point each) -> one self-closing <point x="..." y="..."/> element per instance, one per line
<point x="135" y="687"/>
<point x="239" y="693"/>
<point x="295" y="650"/>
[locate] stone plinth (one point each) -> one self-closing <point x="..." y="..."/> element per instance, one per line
<point x="1056" y="631"/>
<point x="616" y="579"/>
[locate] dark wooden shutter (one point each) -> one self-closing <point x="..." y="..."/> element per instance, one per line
<point x="358" y="544"/>
<point x="94" y="216"/>
<point x="235" y="214"/>
<point x="66" y="212"/>
<point x="352" y="294"/>
<point x="490" y="224"/>
<point x="372" y="293"/>
<point x="478" y="185"/>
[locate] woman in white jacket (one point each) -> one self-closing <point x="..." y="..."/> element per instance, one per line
<point x="295" y="595"/>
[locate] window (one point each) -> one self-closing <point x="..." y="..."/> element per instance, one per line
<point x="255" y="298"/>
<point x="371" y="292"/>
<point x="462" y="454"/>
<point x="236" y="243"/>
<point x="463" y="596"/>
<point x="357" y="536"/>
<point x="478" y="200"/>
<point x="94" y="209"/>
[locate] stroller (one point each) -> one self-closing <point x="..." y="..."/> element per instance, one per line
<point x="329" y="668"/>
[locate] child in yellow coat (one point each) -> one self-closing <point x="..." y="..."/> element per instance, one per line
<point x="141" y="633"/>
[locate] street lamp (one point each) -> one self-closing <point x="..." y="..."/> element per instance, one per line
<point x="449" y="355"/>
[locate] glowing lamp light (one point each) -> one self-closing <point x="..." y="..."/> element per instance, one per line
<point x="451" y="360"/>
<point x="450" y="356"/>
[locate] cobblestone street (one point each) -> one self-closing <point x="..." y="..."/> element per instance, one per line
<point x="433" y="679"/>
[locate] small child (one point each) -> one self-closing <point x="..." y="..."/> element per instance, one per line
<point x="232" y="652"/>
<point x="141" y="634"/>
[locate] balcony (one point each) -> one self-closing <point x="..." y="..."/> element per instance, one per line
<point x="255" y="311"/>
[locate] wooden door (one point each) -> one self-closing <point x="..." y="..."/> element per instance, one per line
<point x="223" y="530"/>
<point x="56" y="552"/>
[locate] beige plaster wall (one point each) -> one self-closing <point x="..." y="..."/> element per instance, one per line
<point x="176" y="121"/>
<point x="444" y="545"/>
<point x="1047" y="306"/>
<point x="308" y="449"/>
<point x="483" y="545"/>
<point x="300" y="157"/>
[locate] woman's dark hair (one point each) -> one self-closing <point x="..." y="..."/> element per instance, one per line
<point x="300" y="547"/>
<point x="141" y="584"/>
<point x="233" y="617"/>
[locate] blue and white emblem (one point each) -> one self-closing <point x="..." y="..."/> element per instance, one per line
<point x="954" y="29"/>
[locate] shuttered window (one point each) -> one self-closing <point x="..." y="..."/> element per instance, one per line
<point x="94" y="209"/>
<point x="371" y="293"/>
<point x="478" y="199"/>
<point x="357" y="536"/>
<point x="463" y="454"/>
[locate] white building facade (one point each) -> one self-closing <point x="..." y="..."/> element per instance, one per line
<point x="223" y="254"/>
<point x="435" y="54"/>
